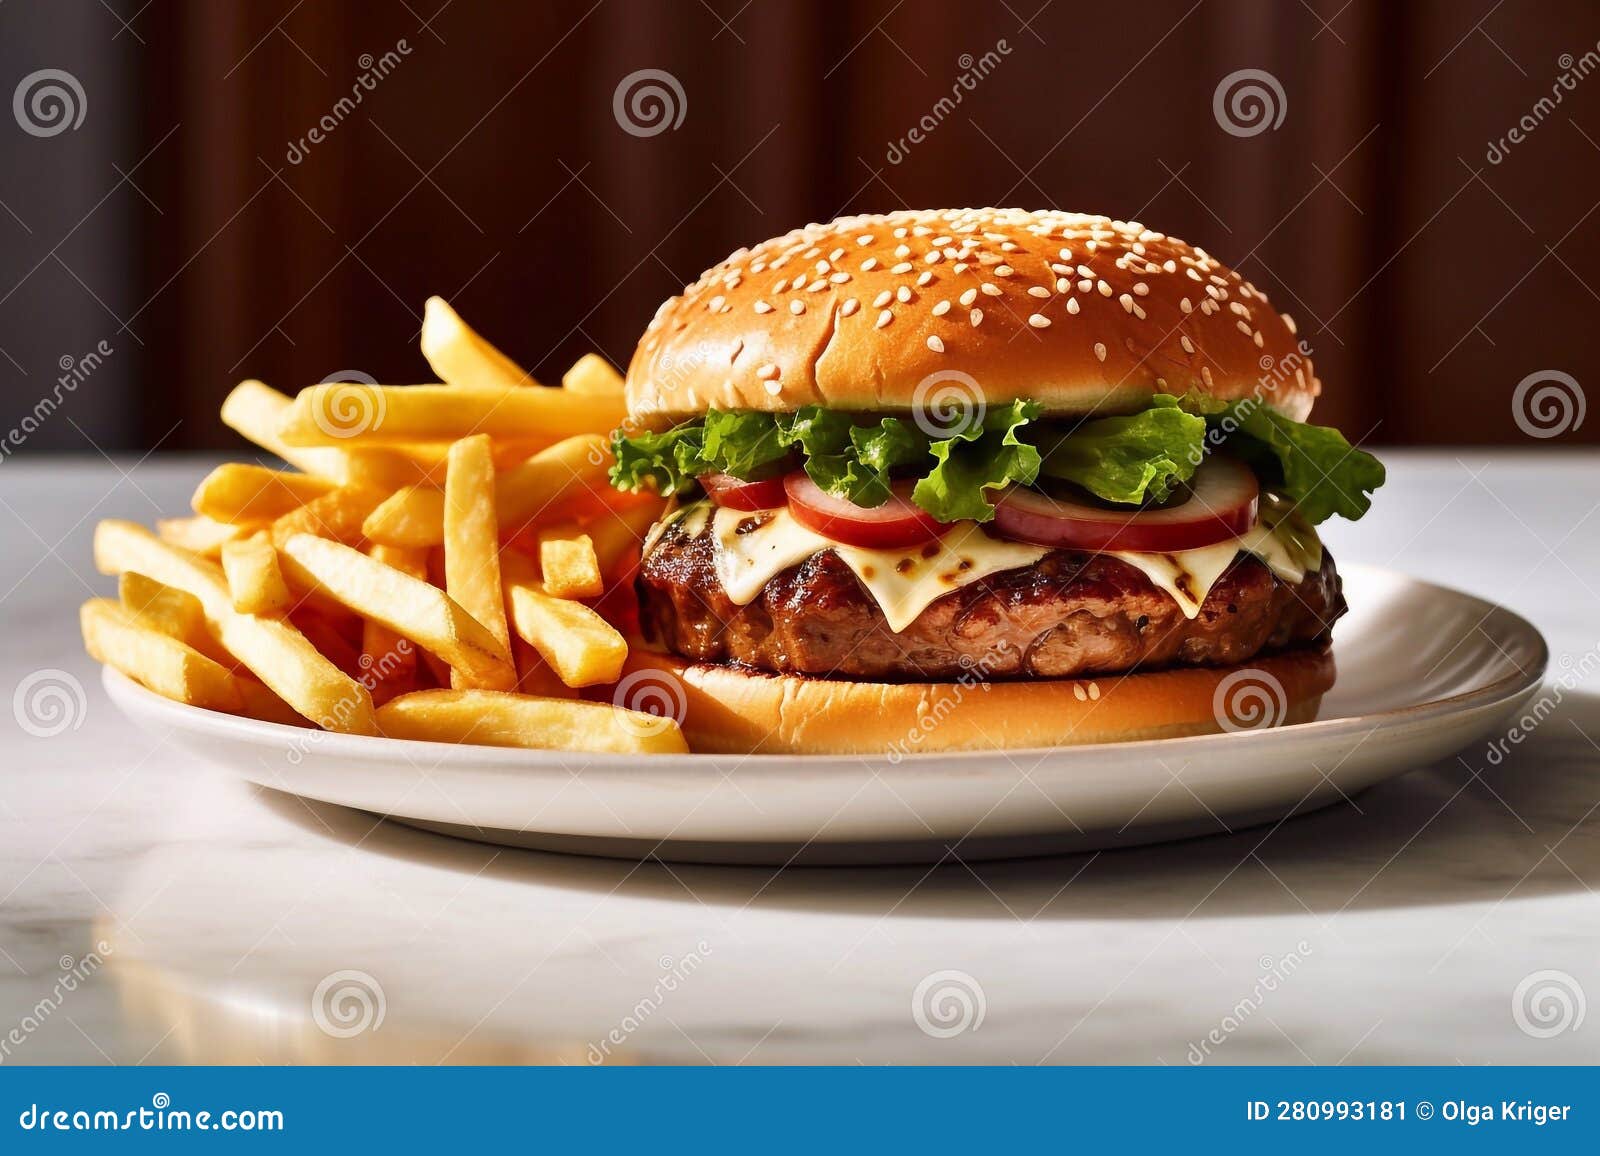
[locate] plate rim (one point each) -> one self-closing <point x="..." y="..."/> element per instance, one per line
<point x="120" y="687"/>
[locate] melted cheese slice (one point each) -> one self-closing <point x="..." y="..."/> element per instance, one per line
<point x="751" y="549"/>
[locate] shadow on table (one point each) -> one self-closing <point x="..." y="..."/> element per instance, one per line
<point x="1509" y="819"/>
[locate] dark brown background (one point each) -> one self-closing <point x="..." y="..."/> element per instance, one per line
<point x="488" y="167"/>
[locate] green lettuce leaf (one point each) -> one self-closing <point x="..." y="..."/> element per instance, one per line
<point x="1138" y="458"/>
<point x="744" y="443"/>
<point x="667" y="461"/>
<point x="1311" y="465"/>
<point x="981" y="458"/>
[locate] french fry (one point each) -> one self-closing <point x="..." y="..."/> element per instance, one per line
<point x="568" y="567"/>
<point x="412" y="516"/>
<point x="173" y="669"/>
<point x="534" y="674"/>
<point x="411" y="608"/>
<point x="161" y="607"/>
<point x="338" y="514"/>
<point x="254" y="579"/>
<point x="580" y="646"/>
<point x="573" y="468"/>
<point x="201" y="535"/>
<point x="496" y="718"/>
<point x="592" y="375"/>
<point x="388" y="414"/>
<point x="236" y="492"/>
<point x="461" y="357"/>
<point x="274" y="651"/>
<point x="472" y="551"/>
<point x="261" y="703"/>
<point x="618" y="534"/>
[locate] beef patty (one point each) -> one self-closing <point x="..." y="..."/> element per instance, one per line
<point x="1068" y="615"/>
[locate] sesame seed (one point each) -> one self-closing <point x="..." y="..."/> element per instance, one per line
<point x="990" y="288"/>
<point x="934" y="257"/>
<point x="882" y="299"/>
<point x="767" y="371"/>
<point x="1140" y="288"/>
<point x="902" y="250"/>
<point x="1072" y="306"/>
<point x="941" y="309"/>
<point x="1085" y="271"/>
<point x="1065" y="254"/>
<point x="1038" y="291"/>
<point x="1100" y="350"/>
<point x="1085" y="285"/>
<point x="798" y="282"/>
<point x="762" y="307"/>
<point x="883" y="319"/>
<point x="836" y="254"/>
<point x="1243" y="327"/>
<point x="934" y="343"/>
<point x="716" y="302"/>
<point x="924" y="277"/>
<point x="797" y="307"/>
<point x="1258" y="339"/>
<point x="902" y="294"/>
<point x="864" y="239"/>
<point x="1039" y="321"/>
<point x="839" y="278"/>
<point x="903" y="267"/>
<point x="976" y="317"/>
<point x="849" y="307"/>
<point x="869" y="264"/>
<point x="1185" y="306"/>
<point x="1062" y="285"/>
<point x="968" y="297"/>
<point x="961" y="266"/>
<point x="1188" y="346"/>
<point x="819" y="283"/>
<point x="900" y="232"/>
<point x="1105" y="290"/>
<point x="1289" y="323"/>
<point x="823" y="266"/>
<point x="1126" y="301"/>
<point x="1205" y="375"/>
<point x="1002" y="270"/>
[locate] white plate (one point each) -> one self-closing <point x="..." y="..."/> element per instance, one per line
<point x="1423" y="672"/>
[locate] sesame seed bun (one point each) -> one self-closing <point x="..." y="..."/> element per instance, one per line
<point x="1082" y="314"/>
<point x="734" y="710"/>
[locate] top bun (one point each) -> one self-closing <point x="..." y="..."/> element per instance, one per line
<point x="1081" y="314"/>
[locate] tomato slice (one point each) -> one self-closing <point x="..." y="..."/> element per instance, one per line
<point x="898" y="522"/>
<point x="727" y="490"/>
<point x="1223" y="495"/>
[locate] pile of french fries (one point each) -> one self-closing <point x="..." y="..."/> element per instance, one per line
<point x="443" y="562"/>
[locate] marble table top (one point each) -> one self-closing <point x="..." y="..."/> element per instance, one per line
<point x="153" y="910"/>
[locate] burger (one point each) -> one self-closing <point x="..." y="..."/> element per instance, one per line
<point x="981" y="479"/>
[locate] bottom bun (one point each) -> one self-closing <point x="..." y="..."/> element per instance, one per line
<point x="737" y="710"/>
